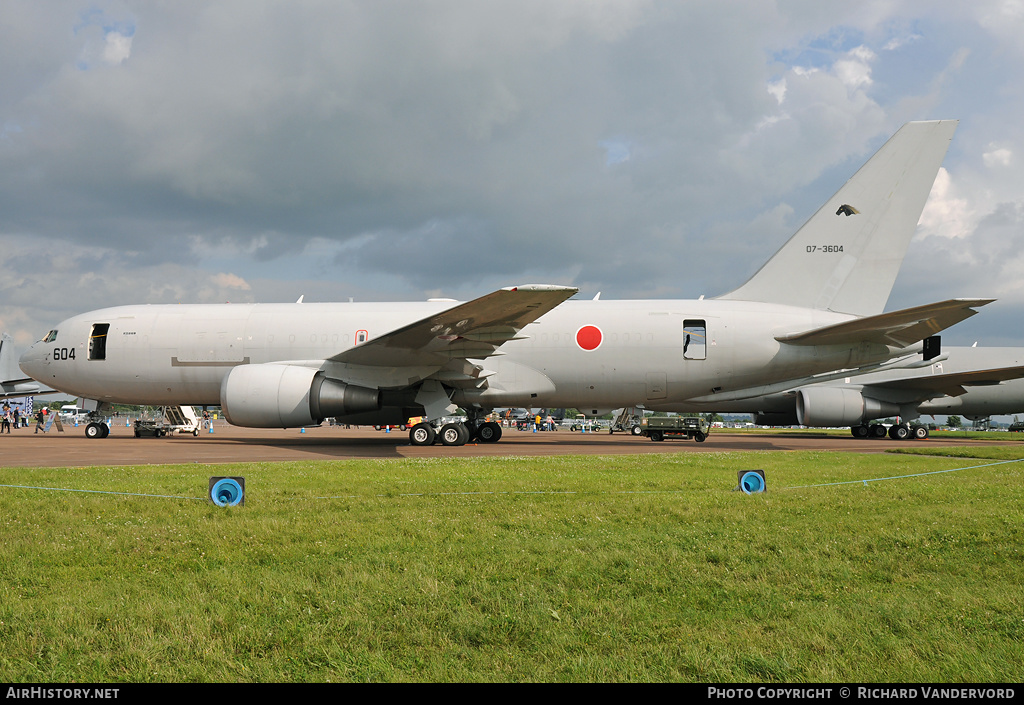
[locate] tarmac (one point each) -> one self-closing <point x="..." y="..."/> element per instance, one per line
<point x="231" y="444"/>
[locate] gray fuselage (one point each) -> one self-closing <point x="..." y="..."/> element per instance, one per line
<point x="585" y="354"/>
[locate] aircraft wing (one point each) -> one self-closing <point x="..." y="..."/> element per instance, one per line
<point x="475" y="329"/>
<point x="898" y="328"/>
<point x="952" y="384"/>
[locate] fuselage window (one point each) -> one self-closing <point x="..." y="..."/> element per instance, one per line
<point x="98" y="341"/>
<point x="50" y="337"/>
<point x="694" y="340"/>
<point x="361" y="336"/>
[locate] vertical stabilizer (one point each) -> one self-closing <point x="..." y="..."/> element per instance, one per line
<point x="8" y="360"/>
<point x="846" y="257"/>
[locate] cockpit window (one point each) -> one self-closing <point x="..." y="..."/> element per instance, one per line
<point x="50" y="337"/>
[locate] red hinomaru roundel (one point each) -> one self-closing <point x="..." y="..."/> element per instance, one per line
<point x="589" y="337"/>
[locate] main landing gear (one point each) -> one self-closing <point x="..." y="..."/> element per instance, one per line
<point x="454" y="434"/>
<point x="897" y="432"/>
<point x="97" y="429"/>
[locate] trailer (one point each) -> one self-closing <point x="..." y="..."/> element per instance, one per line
<point x="658" y="428"/>
<point x="180" y="419"/>
<point x="628" y="421"/>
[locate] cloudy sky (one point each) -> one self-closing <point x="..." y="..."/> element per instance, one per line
<point x="155" y="152"/>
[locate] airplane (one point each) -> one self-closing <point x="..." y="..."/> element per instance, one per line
<point x="13" y="383"/>
<point x="969" y="381"/>
<point x="814" y="307"/>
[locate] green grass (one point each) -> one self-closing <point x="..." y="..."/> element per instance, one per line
<point x="631" y="568"/>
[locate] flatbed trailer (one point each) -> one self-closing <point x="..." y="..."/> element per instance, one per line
<point x="658" y="428"/>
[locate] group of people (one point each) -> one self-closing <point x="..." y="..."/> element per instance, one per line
<point x="9" y="415"/>
<point x="12" y="416"/>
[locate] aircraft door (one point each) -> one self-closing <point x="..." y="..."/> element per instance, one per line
<point x="694" y="340"/>
<point x="98" y="341"/>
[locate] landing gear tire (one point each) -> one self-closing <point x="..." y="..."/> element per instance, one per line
<point x="489" y="432"/>
<point x="96" y="430"/>
<point x="899" y="433"/>
<point x="860" y="431"/>
<point x="919" y="433"/>
<point x="422" y="434"/>
<point x="454" y="434"/>
<point x="877" y="430"/>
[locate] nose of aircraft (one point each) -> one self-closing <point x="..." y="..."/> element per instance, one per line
<point x="32" y="361"/>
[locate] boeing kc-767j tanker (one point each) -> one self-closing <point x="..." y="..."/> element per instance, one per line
<point x="814" y="308"/>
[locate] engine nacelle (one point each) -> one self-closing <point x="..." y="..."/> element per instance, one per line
<point x="288" y="396"/>
<point x="835" y="406"/>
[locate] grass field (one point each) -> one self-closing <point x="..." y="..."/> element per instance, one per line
<point x="626" y="568"/>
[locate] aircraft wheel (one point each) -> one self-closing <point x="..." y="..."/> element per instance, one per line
<point x="489" y="432"/>
<point x="860" y="431"/>
<point x="877" y="430"/>
<point x="919" y="433"/>
<point x="93" y="430"/>
<point x="899" y="433"/>
<point x="454" y="434"/>
<point x="637" y="430"/>
<point x="422" y="434"/>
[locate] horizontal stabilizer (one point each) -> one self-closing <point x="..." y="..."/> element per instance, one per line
<point x="475" y="329"/>
<point x="897" y="328"/>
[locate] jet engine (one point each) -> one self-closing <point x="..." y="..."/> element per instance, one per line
<point x="288" y="396"/>
<point x="833" y="406"/>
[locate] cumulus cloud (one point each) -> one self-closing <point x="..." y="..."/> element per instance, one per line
<point x="997" y="156"/>
<point x="946" y="214"/>
<point x="117" y="48"/>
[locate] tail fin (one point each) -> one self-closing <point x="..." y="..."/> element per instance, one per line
<point x="8" y="360"/>
<point x="846" y="257"/>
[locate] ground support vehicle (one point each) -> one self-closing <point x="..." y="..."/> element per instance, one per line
<point x="146" y="428"/>
<point x="658" y="428"/>
<point x="582" y="423"/>
<point x="628" y="422"/>
<point x="180" y="419"/>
